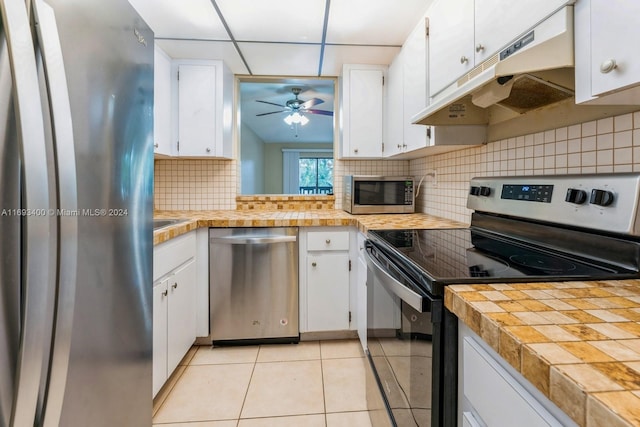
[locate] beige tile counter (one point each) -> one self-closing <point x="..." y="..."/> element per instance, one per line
<point x="577" y="342"/>
<point x="293" y="218"/>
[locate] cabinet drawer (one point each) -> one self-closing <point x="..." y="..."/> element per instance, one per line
<point x="172" y="253"/>
<point x="328" y="241"/>
<point x="497" y="396"/>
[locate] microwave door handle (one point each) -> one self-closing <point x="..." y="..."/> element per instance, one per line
<point x="64" y="152"/>
<point x="407" y="295"/>
<point x="37" y="228"/>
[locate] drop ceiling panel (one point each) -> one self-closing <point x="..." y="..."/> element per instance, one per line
<point x="336" y="56"/>
<point x="274" y="20"/>
<point x="187" y="19"/>
<point x="195" y="49"/>
<point x="374" y="22"/>
<point x="281" y="59"/>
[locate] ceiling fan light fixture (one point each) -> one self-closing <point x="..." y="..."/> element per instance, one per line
<point x="296" y="118"/>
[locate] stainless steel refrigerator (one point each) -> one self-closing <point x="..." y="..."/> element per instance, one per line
<point x="76" y="186"/>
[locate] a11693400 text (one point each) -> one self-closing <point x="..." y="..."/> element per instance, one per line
<point x="65" y="212"/>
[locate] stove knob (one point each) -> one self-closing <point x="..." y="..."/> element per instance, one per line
<point x="474" y="191"/>
<point x="576" y="196"/>
<point x="485" y="191"/>
<point x="601" y="197"/>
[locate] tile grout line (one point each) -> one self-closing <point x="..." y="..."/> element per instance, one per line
<point x="253" y="369"/>
<point x="177" y="379"/>
<point x="324" y="394"/>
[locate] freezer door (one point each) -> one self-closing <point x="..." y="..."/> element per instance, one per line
<point x="27" y="231"/>
<point x="108" y="56"/>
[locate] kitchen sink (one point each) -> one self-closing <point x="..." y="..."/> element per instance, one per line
<point x="161" y="223"/>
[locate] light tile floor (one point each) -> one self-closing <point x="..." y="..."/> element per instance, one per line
<point x="311" y="384"/>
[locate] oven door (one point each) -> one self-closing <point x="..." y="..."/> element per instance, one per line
<point x="404" y="335"/>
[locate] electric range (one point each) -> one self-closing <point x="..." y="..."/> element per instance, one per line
<point x="523" y="229"/>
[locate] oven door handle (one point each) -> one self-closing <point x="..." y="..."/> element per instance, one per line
<point x="407" y="295"/>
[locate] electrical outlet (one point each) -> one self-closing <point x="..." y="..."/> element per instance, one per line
<point x="432" y="178"/>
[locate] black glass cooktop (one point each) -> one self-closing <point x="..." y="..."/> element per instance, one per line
<point x="448" y="256"/>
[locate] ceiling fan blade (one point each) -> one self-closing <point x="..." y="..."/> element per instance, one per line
<point x="321" y="112"/>
<point x="311" y="103"/>
<point x="270" y="103"/>
<point x="273" y="112"/>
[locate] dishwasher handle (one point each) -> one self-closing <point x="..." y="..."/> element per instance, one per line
<point x="257" y="240"/>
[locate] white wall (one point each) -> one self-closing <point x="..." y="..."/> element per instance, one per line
<point x="252" y="170"/>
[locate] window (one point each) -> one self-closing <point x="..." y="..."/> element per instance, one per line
<point x="315" y="175"/>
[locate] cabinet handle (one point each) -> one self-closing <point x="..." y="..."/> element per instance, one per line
<point x="175" y="285"/>
<point x="479" y="47"/>
<point x="165" y="293"/>
<point x="399" y="146"/>
<point x="608" y="66"/>
<point x="328" y="241"/>
<point x="355" y="151"/>
<point x="208" y="150"/>
<point x="404" y="145"/>
<point x="463" y="59"/>
<point x="156" y="145"/>
<point x="313" y="264"/>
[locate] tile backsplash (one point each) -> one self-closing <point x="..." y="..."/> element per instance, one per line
<point x="600" y="146"/>
<point x="201" y="184"/>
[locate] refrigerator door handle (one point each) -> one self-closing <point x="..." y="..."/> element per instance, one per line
<point x="67" y="202"/>
<point x="35" y="204"/>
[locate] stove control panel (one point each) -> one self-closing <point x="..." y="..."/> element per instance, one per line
<point x="607" y="202"/>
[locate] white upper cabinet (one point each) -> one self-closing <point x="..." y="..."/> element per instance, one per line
<point x="465" y="33"/>
<point x="362" y="110"/>
<point x="407" y="95"/>
<point x="161" y="103"/>
<point x="414" y="55"/>
<point x="451" y="48"/>
<point x="606" y="57"/>
<point x="205" y="113"/>
<point x="394" y="129"/>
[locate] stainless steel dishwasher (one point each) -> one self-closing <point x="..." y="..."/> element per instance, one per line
<point x="253" y="279"/>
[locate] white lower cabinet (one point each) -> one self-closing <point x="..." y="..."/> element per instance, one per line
<point x="160" y="315"/>
<point x="328" y="292"/>
<point x="492" y="393"/>
<point x="181" y="319"/>
<point x="174" y="314"/>
<point x="361" y="292"/>
<point x="325" y="287"/>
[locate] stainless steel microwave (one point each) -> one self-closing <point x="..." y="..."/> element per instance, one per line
<point x="378" y="194"/>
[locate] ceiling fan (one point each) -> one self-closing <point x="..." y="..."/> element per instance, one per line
<point x="297" y="105"/>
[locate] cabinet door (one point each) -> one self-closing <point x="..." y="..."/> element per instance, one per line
<point x="161" y="103"/>
<point x="160" y="304"/>
<point x="363" y="111"/>
<point x="181" y="329"/>
<point x="614" y="30"/>
<point x="361" y="306"/>
<point x="197" y="127"/>
<point x="451" y="48"/>
<point x="498" y="22"/>
<point x="328" y="292"/>
<point x="394" y="129"/>
<point x="414" y="54"/>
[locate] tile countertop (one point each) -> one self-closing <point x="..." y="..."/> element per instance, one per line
<point x="297" y="218"/>
<point x="577" y="342"/>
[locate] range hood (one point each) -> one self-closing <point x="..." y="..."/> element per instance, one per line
<point x="533" y="72"/>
